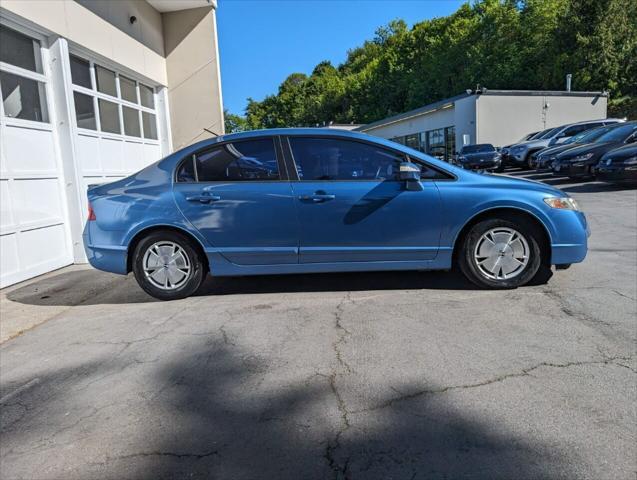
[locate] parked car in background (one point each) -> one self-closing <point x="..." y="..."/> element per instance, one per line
<point x="307" y="201"/>
<point x="542" y="159"/>
<point x="504" y="151"/>
<point x="483" y="156"/>
<point x="520" y="154"/>
<point x="579" y="161"/>
<point x="619" y="165"/>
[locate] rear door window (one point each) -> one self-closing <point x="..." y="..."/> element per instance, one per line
<point x="247" y="160"/>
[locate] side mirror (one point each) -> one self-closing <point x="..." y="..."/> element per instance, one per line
<point x="410" y="174"/>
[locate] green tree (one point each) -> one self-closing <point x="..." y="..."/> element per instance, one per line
<point x="506" y="44"/>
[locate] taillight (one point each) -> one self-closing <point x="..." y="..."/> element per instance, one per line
<point x="91" y="213"/>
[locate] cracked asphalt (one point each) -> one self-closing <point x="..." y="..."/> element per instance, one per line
<point x="343" y="376"/>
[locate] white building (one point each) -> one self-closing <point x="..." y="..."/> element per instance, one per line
<point x="93" y="91"/>
<point x="499" y="117"/>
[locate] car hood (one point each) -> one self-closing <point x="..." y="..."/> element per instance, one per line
<point x="586" y="148"/>
<point x="504" y="181"/>
<point x="626" y="151"/>
<point x="532" y="143"/>
<point x="557" y="149"/>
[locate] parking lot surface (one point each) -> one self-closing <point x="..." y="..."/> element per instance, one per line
<point x="384" y="375"/>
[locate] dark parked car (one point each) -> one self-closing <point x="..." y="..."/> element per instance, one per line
<point x="483" y="156"/>
<point x="521" y="153"/>
<point x="310" y="200"/>
<point x="579" y="161"/>
<point x="542" y="160"/>
<point x="619" y="165"/>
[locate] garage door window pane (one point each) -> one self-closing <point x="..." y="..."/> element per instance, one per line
<point x="23" y="98"/>
<point x="84" y="111"/>
<point x="109" y="117"/>
<point x="105" y="81"/>
<point x="131" y="122"/>
<point x="147" y="95"/>
<point x="19" y="50"/>
<point x="80" y="72"/>
<point x="128" y="89"/>
<point x="150" y="125"/>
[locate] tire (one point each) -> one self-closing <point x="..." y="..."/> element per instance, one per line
<point x="163" y="257"/>
<point x="489" y="237"/>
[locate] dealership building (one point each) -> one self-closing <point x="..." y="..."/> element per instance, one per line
<point x="93" y="91"/>
<point x="499" y="117"/>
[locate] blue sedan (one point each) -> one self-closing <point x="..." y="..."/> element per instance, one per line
<point x="313" y="200"/>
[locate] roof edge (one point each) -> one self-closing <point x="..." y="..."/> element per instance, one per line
<point x="432" y="107"/>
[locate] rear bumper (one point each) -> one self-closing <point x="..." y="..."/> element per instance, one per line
<point x="109" y="258"/>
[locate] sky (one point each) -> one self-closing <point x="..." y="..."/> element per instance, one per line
<point x="261" y="42"/>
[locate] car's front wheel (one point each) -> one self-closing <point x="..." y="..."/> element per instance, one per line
<point x="500" y="253"/>
<point x="167" y="265"/>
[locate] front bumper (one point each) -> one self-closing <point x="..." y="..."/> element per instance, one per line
<point x="485" y="165"/>
<point x="566" y="169"/>
<point x="617" y="173"/>
<point x="572" y="244"/>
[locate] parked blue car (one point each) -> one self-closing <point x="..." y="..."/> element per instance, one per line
<point x="313" y="200"/>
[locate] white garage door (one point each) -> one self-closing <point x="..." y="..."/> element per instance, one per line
<point x="34" y="237"/>
<point x="116" y="131"/>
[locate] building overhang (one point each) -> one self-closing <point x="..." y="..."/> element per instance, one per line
<point x="164" y="6"/>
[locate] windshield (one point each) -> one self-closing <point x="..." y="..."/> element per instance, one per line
<point x="483" y="147"/>
<point x="539" y="135"/>
<point x="588" y="136"/>
<point x="550" y="133"/>
<point x="618" y="134"/>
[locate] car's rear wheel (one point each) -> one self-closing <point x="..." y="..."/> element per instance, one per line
<point x="167" y="265"/>
<point x="501" y="253"/>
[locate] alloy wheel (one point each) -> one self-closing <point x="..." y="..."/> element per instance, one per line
<point x="501" y="253"/>
<point x="166" y="265"/>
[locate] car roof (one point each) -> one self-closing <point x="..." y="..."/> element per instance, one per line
<point x="314" y="132"/>
<point x="298" y="131"/>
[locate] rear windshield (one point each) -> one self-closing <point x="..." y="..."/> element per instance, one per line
<point x="483" y="147"/>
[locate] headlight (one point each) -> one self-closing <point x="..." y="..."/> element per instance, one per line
<point x="518" y="149"/>
<point x="582" y="158"/>
<point x="562" y="203"/>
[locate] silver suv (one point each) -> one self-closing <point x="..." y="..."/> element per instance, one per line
<point x="520" y="153"/>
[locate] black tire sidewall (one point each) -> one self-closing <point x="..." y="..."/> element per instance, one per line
<point x="468" y="263"/>
<point x="188" y="288"/>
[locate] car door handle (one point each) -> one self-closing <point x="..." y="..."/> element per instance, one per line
<point x="203" y="198"/>
<point x="317" y="197"/>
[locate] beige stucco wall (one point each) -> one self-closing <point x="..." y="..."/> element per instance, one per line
<point x="504" y="119"/>
<point x="88" y="29"/>
<point x="192" y="65"/>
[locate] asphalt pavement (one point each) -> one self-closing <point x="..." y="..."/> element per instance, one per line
<point x="404" y="375"/>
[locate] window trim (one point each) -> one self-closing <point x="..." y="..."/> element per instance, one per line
<point x="120" y="102"/>
<point x="283" y="173"/>
<point x="406" y="157"/>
